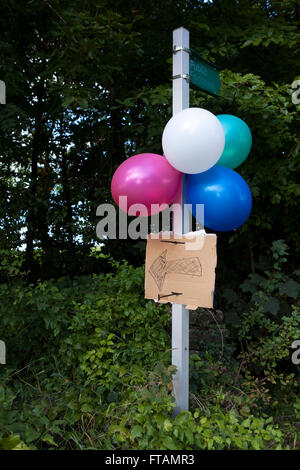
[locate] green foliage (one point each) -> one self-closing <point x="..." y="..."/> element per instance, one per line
<point x="62" y="415"/>
<point x="99" y="339"/>
<point x="268" y="330"/>
<point x="8" y="441"/>
<point x="113" y="330"/>
<point x="143" y="421"/>
<point x="12" y="442"/>
<point x="104" y="380"/>
<point x="87" y="87"/>
<point x="266" y="326"/>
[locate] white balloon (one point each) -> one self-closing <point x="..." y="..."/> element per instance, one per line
<point x="193" y="140"/>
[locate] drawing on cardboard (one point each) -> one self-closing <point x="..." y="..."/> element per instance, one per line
<point x="181" y="269"/>
<point x="161" y="267"/>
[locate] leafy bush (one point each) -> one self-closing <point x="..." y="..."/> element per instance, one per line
<point x="143" y="421"/>
<point x="89" y="367"/>
<point x="266" y="333"/>
<point x="62" y="414"/>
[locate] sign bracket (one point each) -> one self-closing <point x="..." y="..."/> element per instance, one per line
<point x="181" y="48"/>
<point x="183" y="75"/>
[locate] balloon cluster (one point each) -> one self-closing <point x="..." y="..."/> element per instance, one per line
<point x="205" y="147"/>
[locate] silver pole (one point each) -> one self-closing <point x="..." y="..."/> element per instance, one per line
<point x="180" y="315"/>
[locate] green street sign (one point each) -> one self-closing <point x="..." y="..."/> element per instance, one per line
<point x="204" y="75"/>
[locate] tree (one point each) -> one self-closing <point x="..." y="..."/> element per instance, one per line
<point x="88" y="84"/>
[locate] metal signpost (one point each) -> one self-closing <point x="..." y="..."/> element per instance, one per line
<point x="188" y="66"/>
<point x="180" y="315"/>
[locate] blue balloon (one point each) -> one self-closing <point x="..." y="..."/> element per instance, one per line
<point x="226" y="197"/>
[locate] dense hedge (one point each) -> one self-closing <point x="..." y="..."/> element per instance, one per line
<point x="88" y="366"/>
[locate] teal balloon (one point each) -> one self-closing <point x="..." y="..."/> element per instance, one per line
<point x="238" y="141"/>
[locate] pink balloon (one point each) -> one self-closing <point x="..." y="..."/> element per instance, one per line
<point x="146" y="179"/>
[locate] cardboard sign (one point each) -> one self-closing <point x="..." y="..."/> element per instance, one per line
<point x="181" y="270"/>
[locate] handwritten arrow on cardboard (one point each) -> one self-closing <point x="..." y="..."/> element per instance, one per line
<point x="161" y="267"/>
